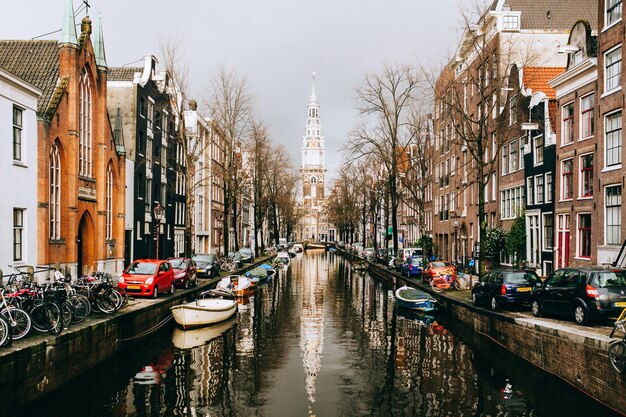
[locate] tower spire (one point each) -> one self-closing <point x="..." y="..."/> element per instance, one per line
<point x="313" y="97"/>
<point x="68" y="32"/>
<point x="98" y="45"/>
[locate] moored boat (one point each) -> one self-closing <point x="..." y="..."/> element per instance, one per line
<point x="239" y="285"/>
<point x="282" y="259"/>
<point x="414" y="299"/>
<point x="217" y="307"/>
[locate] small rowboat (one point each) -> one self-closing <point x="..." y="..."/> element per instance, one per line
<point x="238" y="285"/>
<point x="414" y="299"/>
<point x="218" y="307"/>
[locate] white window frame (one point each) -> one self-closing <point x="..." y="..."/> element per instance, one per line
<point x="608" y="24"/>
<point x="548" y="190"/>
<point x="545" y="248"/>
<point x="536" y="162"/>
<point x="562" y="190"/>
<point x="581" y="176"/>
<point x="617" y="165"/>
<point x="563" y="123"/>
<point x="85" y="116"/>
<point x="18" y="130"/>
<point x="619" y="66"/>
<point x="619" y="217"/>
<point x="581" y="117"/>
<point x="579" y="235"/>
<point x="543" y="189"/>
<point x="54" y="196"/>
<point x="19" y="224"/>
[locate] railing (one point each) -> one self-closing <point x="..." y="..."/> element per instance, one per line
<point x="619" y="261"/>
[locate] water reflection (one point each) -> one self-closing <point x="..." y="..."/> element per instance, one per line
<point x="320" y="339"/>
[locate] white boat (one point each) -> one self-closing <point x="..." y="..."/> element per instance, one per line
<point x="204" y="311"/>
<point x="188" y="339"/>
<point x="239" y="285"/>
<point x="282" y="259"/>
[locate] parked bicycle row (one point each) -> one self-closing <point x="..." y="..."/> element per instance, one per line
<point x="55" y="304"/>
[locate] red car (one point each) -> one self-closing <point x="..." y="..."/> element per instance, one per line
<point x="185" y="272"/>
<point x="148" y="277"/>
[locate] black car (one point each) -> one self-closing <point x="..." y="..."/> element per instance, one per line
<point x="247" y="255"/>
<point x="499" y="288"/>
<point x="207" y="265"/>
<point x="585" y="294"/>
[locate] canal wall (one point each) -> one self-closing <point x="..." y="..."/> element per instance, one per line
<point x="39" y="365"/>
<point x="570" y="352"/>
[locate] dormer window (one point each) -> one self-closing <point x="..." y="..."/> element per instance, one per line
<point x="510" y="22"/>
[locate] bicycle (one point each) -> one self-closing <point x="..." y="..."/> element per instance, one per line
<point x="18" y="319"/>
<point x="617" y="348"/>
<point x="6" y="335"/>
<point x="443" y="282"/>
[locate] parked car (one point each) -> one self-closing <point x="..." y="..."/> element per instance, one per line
<point x="147" y="277"/>
<point x="586" y="294"/>
<point x="437" y="269"/>
<point x="185" y="272"/>
<point x="236" y="257"/>
<point x="406" y="253"/>
<point x="207" y="265"/>
<point x="247" y="255"/>
<point x="413" y="266"/>
<point x="500" y="288"/>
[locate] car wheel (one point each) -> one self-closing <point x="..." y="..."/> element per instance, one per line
<point x="581" y="315"/>
<point x="535" y="307"/>
<point x="475" y="299"/>
<point x="494" y="304"/>
<point x="172" y="288"/>
<point x="155" y="292"/>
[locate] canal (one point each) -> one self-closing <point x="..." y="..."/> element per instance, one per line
<point x="317" y="340"/>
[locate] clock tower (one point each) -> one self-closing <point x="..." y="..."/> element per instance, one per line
<point x="313" y="172"/>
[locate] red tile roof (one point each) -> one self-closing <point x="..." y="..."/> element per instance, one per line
<point x="536" y="78"/>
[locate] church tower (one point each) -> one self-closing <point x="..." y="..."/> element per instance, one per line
<point x="313" y="172"/>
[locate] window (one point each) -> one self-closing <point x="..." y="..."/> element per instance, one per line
<point x="567" y="173"/>
<point x="586" y="175"/>
<point x="538" y="150"/>
<point x="511" y="202"/>
<point x="513" y="110"/>
<point x="531" y="193"/>
<point x="109" y="203"/>
<point x="522" y="145"/>
<point x="17" y="134"/>
<point x="549" y="187"/>
<point x="548" y="231"/>
<point x="55" y="193"/>
<point x="567" y="131"/>
<point x="613" y="69"/>
<point x="148" y="202"/>
<point x="510" y="22"/>
<point x="613" y="11"/>
<point x="613" y="139"/>
<point x="586" y="116"/>
<point x="539" y="191"/>
<point x="513" y="156"/>
<point x="142" y="107"/>
<point x="18" y="231"/>
<point x="613" y="218"/>
<point x="150" y="114"/>
<point x="84" y="128"/>
<point x="584" y="235"/>
<point x="505" y="155"/>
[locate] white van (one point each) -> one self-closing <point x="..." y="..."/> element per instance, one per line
<point x="408" y="252"/>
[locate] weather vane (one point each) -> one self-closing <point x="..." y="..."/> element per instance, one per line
<point x="87" y="6"/>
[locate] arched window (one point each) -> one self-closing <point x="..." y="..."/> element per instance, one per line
<point x="109" y="203"/>
<point x="84" y="128"/>
<point x="55" y="193"/>
<point x="313" y="180"/>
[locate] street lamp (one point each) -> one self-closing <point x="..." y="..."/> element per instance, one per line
<point x="159" y="211"/>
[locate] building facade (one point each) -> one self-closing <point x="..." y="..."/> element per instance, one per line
<point x="139" y="102"/>
<point x="18" y="213"/>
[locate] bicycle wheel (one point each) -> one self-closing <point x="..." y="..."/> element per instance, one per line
<point x="435" y="284"/>
<point x="67" y="313"/>
<point x="617" y="356"/>
<point x="19" y="320"/>
<point x="54" y="318"/>
<point x="81" y="308"/>
<point x="84" y="300"/>
<point x="121" y="299"/>
<point x="107" y="303"/>
<point x="6" y="336"/>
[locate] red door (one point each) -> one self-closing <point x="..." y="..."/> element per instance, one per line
<point x="564" y="235"/>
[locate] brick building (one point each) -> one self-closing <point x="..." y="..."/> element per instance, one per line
<point x="80" y="192"/>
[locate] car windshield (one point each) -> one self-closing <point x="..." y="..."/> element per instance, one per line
<point x="416" y="261"/>
<point x="245" y="251"/>
<point x="440" y="264"/>
<point x="203" y="258"/>
<point x="610" y="279"/>
<point x="178" y="263"/>
<point x="142" y="268"/>
<point x="521" y="278"/>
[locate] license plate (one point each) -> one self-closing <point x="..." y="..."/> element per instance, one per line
<point x="621" y="304"/>
<point x="200" y="270"/>
<point x="134" y="287"/>
<point x="524" y="289"/>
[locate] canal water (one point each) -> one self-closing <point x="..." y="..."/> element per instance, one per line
<point x="318" y="340"/>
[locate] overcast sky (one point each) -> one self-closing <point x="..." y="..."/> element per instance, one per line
<point x="275" y="44"/>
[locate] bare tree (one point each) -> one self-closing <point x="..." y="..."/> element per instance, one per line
<point x="259" y="151"/>
<point x="230" y="105"/>
<point x="385" y="99"/>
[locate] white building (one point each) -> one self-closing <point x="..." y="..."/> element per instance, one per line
<point x="18" y="182"/>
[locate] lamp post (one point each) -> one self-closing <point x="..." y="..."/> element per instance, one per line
<point x="159" y="211"/>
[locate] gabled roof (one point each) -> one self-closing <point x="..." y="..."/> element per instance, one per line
<point x="122" y="73"/>
<point x="558" y="15"/>
<point x="34" y="61"/>
<point x="537" y="78"/>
